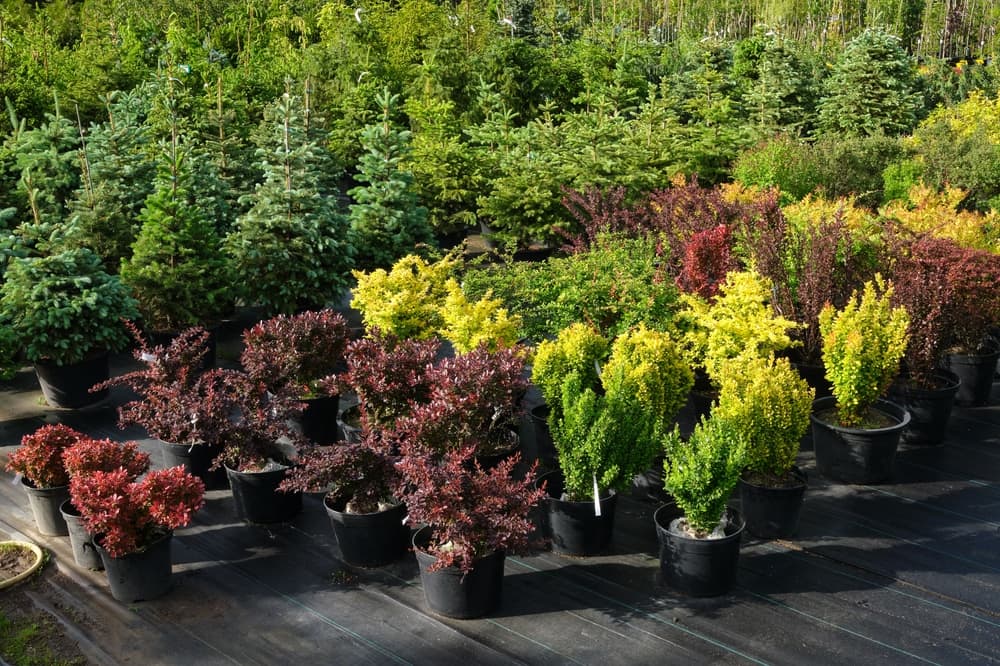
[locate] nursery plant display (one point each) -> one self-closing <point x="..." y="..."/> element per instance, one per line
<point x="855" y="433"/>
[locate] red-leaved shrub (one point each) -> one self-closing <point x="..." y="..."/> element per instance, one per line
<point x="103" y="455"/>
<point x="127" y="515"/>
<point x="40" y="457"/>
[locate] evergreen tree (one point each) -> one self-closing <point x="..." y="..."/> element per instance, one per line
<point x="777" y="96"/>
<point x="291" y="248"/>
<point x="177" y="271"/>
<point x="872" y="89"/>
<point x="387" y="221"/>
<point x="117" y="177"/>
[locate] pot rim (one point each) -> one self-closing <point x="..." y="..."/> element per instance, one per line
<point x="894" y="410"/>
<point x="606" y="494"/>
<point x="331" y="505"/>
<point x="734" y="514"/>
<point x="796" y="471"/>
<point x="35" y="566"/>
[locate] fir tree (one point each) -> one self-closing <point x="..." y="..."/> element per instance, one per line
<point x="177" y="271"/>
<point x="387" y="221"/>
<point x="291" y="248"/>
<point x="117" y="176"/>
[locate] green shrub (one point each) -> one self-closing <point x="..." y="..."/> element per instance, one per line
<point x="608" y="437"/>
<point x="782" y="162"/>
<point x="469" y="324"/>
<point x="862" y="347"/>
<point x="578" y="349"/>
<point x="767" y="405"/>
<point x="702" y="472"/>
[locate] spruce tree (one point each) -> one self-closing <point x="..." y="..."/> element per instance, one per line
<point x="387" y="221"/>
<point x="117" y="176"/>
<point x="177" y="272"/>
<point x="291" y="248"/>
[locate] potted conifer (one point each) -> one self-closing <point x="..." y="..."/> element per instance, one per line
<point x="855" y="433"/>
<point x="66" y="313"/>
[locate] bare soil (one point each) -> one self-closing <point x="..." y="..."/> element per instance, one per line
<point x="14" y="561"/>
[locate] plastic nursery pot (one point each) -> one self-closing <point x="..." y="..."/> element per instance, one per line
<point x="196" y="459"/>
<point x="68" y="386"/>
<point x="350" y="424"/>
<point x="772" y="512"/>
<point x="976" y="372"/>
<point x="85" y="553"/>
<point x="45" y="503"/>
<point x="573" y="527"/>
<point x="545" y="450"/>
<point x="929" y="408"/>
<point x="452" y="594"/>
<point x="257" y="498"/>
<point x="856" y="455"/>
<point x="369" y="539"/>
<point x="698" y="567"/>
<point x="319" y="419"/>
<point x="140" y="576"/>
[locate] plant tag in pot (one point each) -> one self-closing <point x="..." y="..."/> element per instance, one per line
<point x="597" y="497"/>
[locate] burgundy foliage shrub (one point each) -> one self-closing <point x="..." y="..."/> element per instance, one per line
<point x="293" y="353"/>
<point x="707" y="257"/>
<point x="103" y="455"/>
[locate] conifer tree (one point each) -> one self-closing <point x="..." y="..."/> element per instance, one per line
<point x="291" y="249"/>
<point x="117" y="176"/>
<point x="387" y="221"/>
<point x="177" y="272"/>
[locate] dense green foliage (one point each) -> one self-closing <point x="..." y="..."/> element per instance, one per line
<point x="64" y="306"/>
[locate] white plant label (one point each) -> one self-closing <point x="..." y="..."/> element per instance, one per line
<point x="597" y="497"/>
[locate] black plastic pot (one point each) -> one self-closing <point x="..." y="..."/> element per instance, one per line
<point x="452" y="594"/>
<point x="369" y="539"/>
<point x="815" y="376"/>
<point x="319" y="419"/>
<point x="698" y="567"/>
<point x="196" y="459"/>
<point x="929" y="408"/>
<point x="490" y="460"/>
<point x="45" y="503"/>
<point x="350" y="424"/>
<point x="68" y="386"/>
<point x="976" y="372"/>
<point x="573" y="527"/>
<point x="545" y="450"/>
<point x="85" y="553"/>
<point x="769" y="512"/>
<point x="257" y="499"/>
<point x="855" y="455"/>
<point x="139" y="576"/>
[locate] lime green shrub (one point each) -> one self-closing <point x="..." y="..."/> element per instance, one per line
<point x="578" y="349"/>
<point x="862" y="346"/>
<point x="469" y="324"/>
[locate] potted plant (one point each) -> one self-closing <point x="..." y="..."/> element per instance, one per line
<point x="67" y="314"/>
<point x="606" y="435"/>
<point x="927" y="276"/>
<point x="471" y="519"/>
<point x="89" y="455"/>
<point x="258" y="450"/>
<point x="183" y="407"/>
<point x="362" y="485"/>
<point x="767" y="405"/>
<point x="388" y="375"/>
<point x="39" y="463"/>
<point x="293" y="355"/>
<point x="133" y="522"/>
<point x="473" y="400"/>
<point x="855" y="433"/>
<point x="468" y="325"/>
<point x="699" y="535"/>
